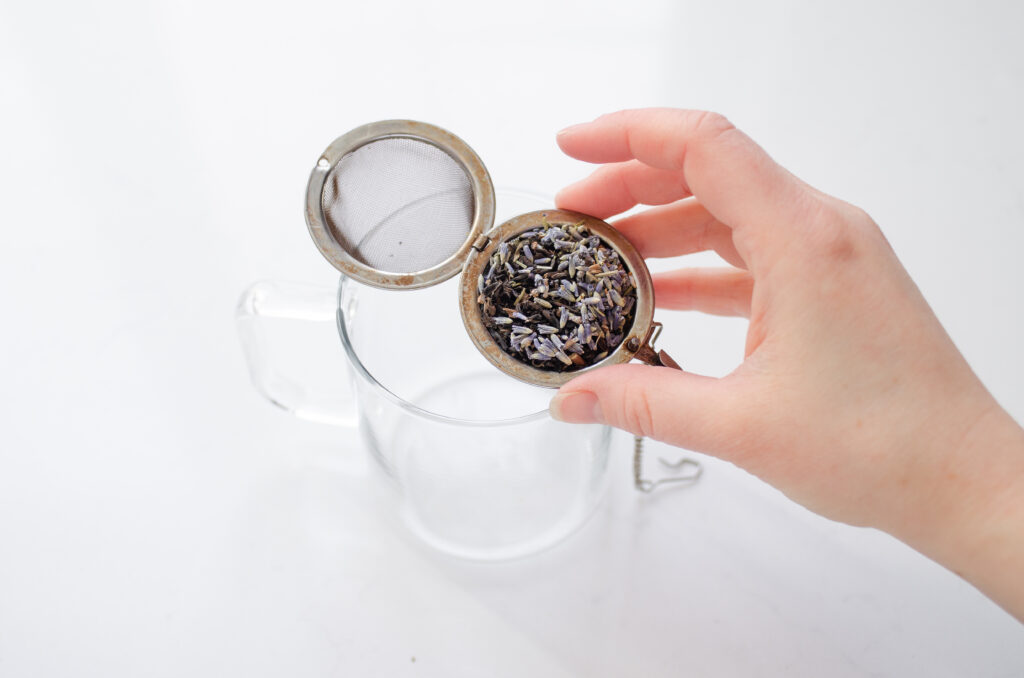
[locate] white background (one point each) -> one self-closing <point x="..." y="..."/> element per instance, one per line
<point x="158" y="519"/>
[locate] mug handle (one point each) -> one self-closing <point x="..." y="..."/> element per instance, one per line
<point x="290" y="341"/>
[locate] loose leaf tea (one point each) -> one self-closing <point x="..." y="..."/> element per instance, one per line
<point x="557" y="297"/>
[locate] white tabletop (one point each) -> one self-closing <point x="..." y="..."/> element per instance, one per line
<point x="158" y="518"/>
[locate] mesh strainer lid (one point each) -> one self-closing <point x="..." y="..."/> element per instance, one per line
<point x="398" y="203"/>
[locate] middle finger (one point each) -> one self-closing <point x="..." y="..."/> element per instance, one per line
<point x="613" y="189"/>
<point x="684" y="227"/>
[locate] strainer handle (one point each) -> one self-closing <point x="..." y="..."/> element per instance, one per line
<point x="295" y="359"/>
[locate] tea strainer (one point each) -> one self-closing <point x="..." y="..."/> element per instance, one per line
<point x="400" y="204"/>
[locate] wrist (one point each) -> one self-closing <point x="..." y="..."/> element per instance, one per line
<point x="970" y="517"/>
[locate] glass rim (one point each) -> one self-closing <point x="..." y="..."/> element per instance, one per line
<point x="413" y="409"/>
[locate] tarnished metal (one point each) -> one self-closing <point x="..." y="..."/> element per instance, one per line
<point x="640" y="330"/>
<point x="646" y="353"/>
<point x="481" y="242"/>
<point x="329" y="242"/>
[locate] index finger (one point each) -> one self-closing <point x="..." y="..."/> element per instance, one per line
<point x="733" y="177"/>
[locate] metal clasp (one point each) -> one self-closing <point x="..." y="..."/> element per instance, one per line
<point x="646" y="353"/>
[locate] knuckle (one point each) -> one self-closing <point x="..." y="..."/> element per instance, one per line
<point x="638" y="415"/>
<point x="712" y="124"/>
<point x="838" y="244"/>
<point x="853" y="217"/>
<point x="842" y="232"/>
<point x="694" y="129"/>
<point x="697" y="129"/>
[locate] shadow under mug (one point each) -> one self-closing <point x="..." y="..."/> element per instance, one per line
<point x="480" y="469"/>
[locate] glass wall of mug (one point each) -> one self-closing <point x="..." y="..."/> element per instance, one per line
<point x="483" y="471"/>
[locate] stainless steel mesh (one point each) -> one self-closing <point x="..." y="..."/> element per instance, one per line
<point x="399" y="205"/>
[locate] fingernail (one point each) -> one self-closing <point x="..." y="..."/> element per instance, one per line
<point x="569" y="130"/>
<point x="576" y="407"/>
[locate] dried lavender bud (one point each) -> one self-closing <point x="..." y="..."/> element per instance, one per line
<point x="571" y="295"/>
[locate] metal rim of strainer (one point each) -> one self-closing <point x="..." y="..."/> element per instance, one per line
<point x="326" y="239"/>
<point x="485" y="246"/>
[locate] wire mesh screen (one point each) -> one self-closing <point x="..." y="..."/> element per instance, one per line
<point x="399" y="205"/>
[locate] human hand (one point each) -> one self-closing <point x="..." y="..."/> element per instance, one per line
<point x="851" y="398"/>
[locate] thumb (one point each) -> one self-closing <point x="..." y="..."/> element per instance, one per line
<point x="675" y="407"/>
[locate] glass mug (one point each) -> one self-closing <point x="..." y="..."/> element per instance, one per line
<point x="480" y="469"/>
